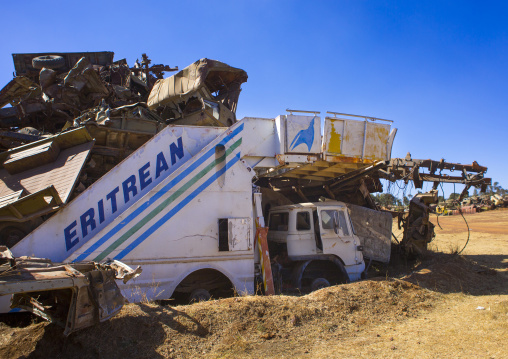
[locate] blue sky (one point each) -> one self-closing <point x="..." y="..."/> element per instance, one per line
<point x="438" y="69"/>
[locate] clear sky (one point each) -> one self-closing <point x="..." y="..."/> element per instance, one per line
<point x="438" y="69"/>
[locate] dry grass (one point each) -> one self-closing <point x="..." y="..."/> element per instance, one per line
<point x="238" y="326"/>
<point x="427" y="313"/>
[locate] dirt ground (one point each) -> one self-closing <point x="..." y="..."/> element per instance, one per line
<point x="443" y="306"/>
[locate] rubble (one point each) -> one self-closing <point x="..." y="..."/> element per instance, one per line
<point x="204" y="93"/>
<point x="51" y="89"/>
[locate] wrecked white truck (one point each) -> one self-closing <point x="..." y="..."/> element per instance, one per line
<point x="183" y="206"/>
<point x="159" y="173"/>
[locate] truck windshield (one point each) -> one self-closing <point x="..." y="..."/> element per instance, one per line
<point x="342" y="223"/>
<point x="351" y="224"/>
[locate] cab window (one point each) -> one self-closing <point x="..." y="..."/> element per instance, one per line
<point x="303" y="221"/>
<point x="327" y="219"/>
<point x="279" y="221"/>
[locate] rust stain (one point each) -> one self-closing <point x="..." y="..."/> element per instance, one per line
<point x="346" y="159"/>
<point x="334" y="144"/>
<point x="376" y="139"/>
<point x="280" y="159"/>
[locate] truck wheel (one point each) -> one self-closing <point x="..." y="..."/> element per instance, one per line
<point x="319" y="283"/>
<point x="48" y="61"/>
<point x="199" y="295"/>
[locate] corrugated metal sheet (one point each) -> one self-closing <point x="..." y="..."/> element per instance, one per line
<point x="62" y="174"/>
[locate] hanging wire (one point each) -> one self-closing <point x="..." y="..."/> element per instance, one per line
<point x="467" y="225"/>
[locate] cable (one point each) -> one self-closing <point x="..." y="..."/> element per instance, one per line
<point x="395" y="238"/>
<point x="468" y="232"/>
<point x="467" y="225"/>
<point x="437" y="219"/>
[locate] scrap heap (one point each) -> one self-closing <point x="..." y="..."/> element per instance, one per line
<point x="68" y="118"/>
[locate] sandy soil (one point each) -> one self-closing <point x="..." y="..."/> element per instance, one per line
<point x="428" y="310"/>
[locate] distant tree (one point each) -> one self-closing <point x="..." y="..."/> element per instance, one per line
<point x="405" y="200"/>
<point x="498" y="189"/>
<point x="454" y="196"/>
<point x="495" y="188"/>
<point x="475" y="192"/>
<point x="385" y="199"/>
<point x="440" y="199"/>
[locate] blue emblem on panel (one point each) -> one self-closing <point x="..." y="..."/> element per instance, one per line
<point x="304" y="136"/>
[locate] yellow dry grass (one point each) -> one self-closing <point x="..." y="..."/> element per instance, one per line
<point x="428" y="312"/>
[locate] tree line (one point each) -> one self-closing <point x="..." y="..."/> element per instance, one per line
<point x="389" y="200"/>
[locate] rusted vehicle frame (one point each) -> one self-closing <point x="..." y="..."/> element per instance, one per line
<point x="74" y="295"/>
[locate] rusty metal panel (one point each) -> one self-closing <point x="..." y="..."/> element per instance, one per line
<point x="11" y="197"/>
<point x="34" y="205"/>
<point x="334" y="134"/>
<point x="353" y="139"/>
<point x="362" y="140"/>
<point x="375" y="141"/>
<point x="238" y="231"/>
<point x="215" y="75"/>
<point x="74" y="296"/>
<point x="32" y="157"/>
<point x="17" y="88"/>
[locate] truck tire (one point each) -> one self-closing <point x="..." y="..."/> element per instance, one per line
<point x="319" y="283"/>
<point x="48" y="61"/>
<point x="199" y="295"/>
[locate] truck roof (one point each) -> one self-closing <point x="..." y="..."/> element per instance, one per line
<point x="309" y="205"/>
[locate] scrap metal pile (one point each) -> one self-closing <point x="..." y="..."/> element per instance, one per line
<point x="68" y="118"/>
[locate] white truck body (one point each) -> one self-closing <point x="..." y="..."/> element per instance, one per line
<point x="161" y="207"/>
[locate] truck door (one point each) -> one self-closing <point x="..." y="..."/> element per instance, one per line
<point x="335" y="230"/>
